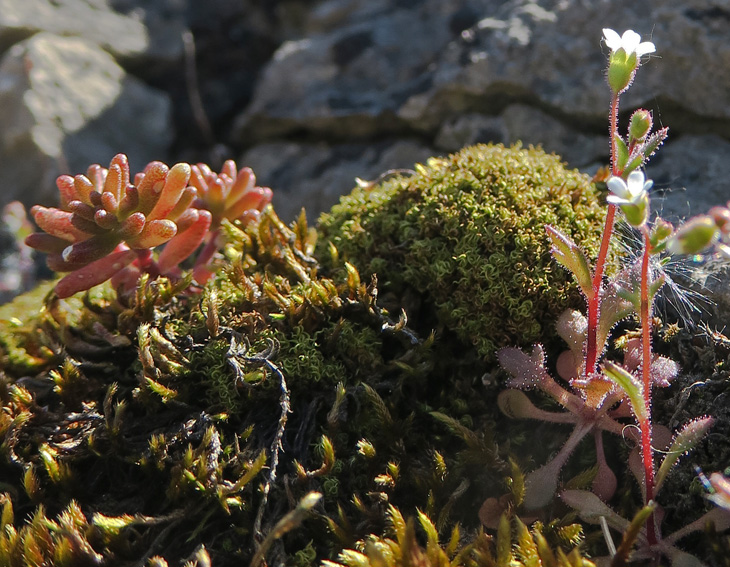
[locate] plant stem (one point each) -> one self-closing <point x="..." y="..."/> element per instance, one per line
<point x="646" y="424"/>
<point x="594" y="302"/>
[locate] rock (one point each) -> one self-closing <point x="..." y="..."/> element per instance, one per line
<point x="93" y="20"/>
<point x="519" y="122"/>
<point x="65" y="104"/>
<point x="488" y="71"/>
<point x="690" y="176"/>
<point x="314" y="176"/>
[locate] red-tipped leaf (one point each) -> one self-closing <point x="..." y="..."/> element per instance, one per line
<point x="58" y="223"/>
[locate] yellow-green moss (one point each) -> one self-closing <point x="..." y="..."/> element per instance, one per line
<point x="467" y="233"/>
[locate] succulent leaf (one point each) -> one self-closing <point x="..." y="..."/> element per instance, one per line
<point x="94" y="273"/>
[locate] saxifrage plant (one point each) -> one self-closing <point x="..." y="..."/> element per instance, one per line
<point x="603" y="392"/>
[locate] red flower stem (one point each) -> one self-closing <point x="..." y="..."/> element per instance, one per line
<point x="645" y="425"/>
<point x="594" y="302"/>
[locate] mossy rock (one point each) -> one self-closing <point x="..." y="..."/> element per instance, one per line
<point x="466" y="236"/>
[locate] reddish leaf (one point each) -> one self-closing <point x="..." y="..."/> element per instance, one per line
<point x="94" y="273"/>
<point x="46" y="243"/>
<point x="184" y="243"/>
<point x="58" y="223"/>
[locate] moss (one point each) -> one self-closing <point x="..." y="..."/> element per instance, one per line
<point x="467" y="235"/>
<point x="147" y="426"/>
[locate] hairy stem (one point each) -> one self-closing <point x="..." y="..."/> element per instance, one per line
<point x="594" y="303"/>
<point x="645" y="424"/>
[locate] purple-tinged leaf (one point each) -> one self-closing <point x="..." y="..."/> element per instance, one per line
<point x="527" y="371"/>
<point x="569" y="255"/>
<point x="46" y="243"/>
<point x="107" y="221"/>
<point x="720" y="517"/>
<point x="86" y="226"/>
<point x="633" y="388"/>
<point x="591" y="509"/>
<point x="184" y="243"/>
<point x="91" y="249"/>
<point x="153" y="234"/>
<point x="132" y="226"/>
<point x="81" y="209"/>
<point x="663" y="370"/>
<point x="129" y="202"/>
<point x="541" y="484"/>
<point x="94" y="273"/>
<point x="654" y="141"/>
<point x="691" y="434"/>
<point x="604" y="485"/>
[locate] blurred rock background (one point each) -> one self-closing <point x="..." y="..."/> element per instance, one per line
<point x="313" y="93"/>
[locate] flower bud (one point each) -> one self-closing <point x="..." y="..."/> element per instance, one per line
<point x="640" y="125"/>
<point x="621" y="68"/>
<point x="660" y="231"/>
<point x="721" y="216"/>
<point x="694" y="236"/>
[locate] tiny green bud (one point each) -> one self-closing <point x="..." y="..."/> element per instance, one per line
<point x="640" y="125"/>
<point x="694" y="236"/>
<point x="660" y="232"/>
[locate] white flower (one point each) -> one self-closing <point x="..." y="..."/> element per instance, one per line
<point x="630" y="42"/>
<point x="632" y="192"/>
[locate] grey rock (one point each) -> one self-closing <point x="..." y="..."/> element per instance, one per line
<point x="473" y="71"/>
<point x="93" y="20"/>
<point x="690" y="175"/>
<point x="522" y="123"/>
<point x="65" y="104"/>
<point x="314" y="176"/>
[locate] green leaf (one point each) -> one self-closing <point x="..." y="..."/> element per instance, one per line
<point x="569" y="255"/>
<point x="631" y="535"/>
<point x="622" y="153"/>
<point x="691" y="434"/>
<point x="633" y="389"/>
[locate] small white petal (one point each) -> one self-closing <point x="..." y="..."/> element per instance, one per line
<point x="618" y="187"/>
<point x="645" y="48"/>
<point x="630" y="41"/>
<point x="613" y="40"/>
<point x="616" y="200"/>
